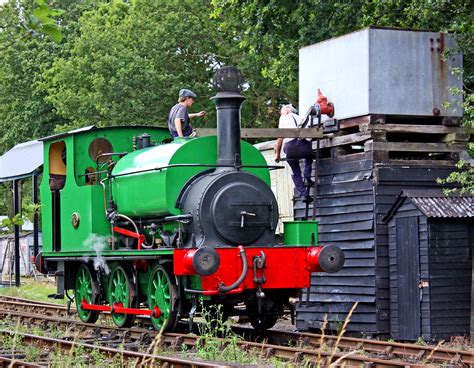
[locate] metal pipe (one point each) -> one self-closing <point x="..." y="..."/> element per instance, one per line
<point x="35" y="216"/>
<point x="228" y="131"/>
<point x="195" y="165"/>
<point x="316" y="171"/>
<point x="16" y="210"/>
<point x="223" y="288"/>
<point x="227" y="82"/>
<point x="129" y="220"/>
<point x="146" y="246"/>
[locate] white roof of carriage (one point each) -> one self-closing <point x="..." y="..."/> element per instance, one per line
<point x="21" y="161"/>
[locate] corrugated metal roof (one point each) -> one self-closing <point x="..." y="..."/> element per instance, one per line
<point x="434" y="203"/>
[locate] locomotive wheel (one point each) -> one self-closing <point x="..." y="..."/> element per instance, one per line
<point x="162" y="293"/>
<point x="87" y="289"/>
<point x="271" y="311"/>
<point x="263" y="322"/>
<point x="123" y="293"/>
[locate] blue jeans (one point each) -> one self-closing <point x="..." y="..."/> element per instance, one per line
<point x="186" y="132"/>
<point x="296" y="169"/>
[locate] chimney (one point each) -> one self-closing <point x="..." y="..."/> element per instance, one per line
<point x="227" y="83"/>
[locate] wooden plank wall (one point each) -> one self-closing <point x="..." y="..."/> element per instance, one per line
<point x="471" y="237"/>
<point x="390" y="180"/>
<point x="408" y="209"/>
<point x="450" y="277"/>
<point x="345" y="211"/>
<point x="354" y="195"/>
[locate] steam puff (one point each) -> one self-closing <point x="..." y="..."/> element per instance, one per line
<point x="98" y="244"/>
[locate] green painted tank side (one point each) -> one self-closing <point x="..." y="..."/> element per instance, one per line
<point x="76" y="197"/>
<point x="154" y="193"/>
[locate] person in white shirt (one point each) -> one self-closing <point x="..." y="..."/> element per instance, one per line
<point x="300" y="150"/>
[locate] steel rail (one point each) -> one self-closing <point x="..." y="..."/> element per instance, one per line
<point x="25" y="300"/>
<point x="176" y="340"/>
<point x="13" y="362"/>
<point x="142" y="359"/>
<point x="313" y="340"/>
<point x="418" y="352"/>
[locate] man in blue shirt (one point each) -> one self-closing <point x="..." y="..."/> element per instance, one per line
<point x="178" y="118"/>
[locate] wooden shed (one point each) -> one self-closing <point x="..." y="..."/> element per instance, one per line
<point x="430" y="260"/>
<point x="362" y="170"/>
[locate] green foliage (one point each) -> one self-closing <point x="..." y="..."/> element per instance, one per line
<point x="9" y="223"/>
<point x="42" y="19"/>
<point x="269" y="34"/>
<point x="34" y="19"/>
<point x="421" y="342"/>
<point x="464" y="178"/>
<point x="24" y="112"/>
<point x="33" y="353"/>
<point x="217" y="341"/>
<point x="130" y="61"/>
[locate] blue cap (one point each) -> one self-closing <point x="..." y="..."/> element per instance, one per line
<point x="187" y="93"/>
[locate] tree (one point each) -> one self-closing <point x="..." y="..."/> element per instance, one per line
<point x="269" y="33"/>
<point x="130" y="61"/>
<point x="31" y="20"/>
<point x="24" y="113"/>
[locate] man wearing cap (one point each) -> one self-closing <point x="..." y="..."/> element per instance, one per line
<point x="178" y="118"/>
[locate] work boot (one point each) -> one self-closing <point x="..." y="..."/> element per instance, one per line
<point x="308" y="182"/>
<point x="308" y="199"/>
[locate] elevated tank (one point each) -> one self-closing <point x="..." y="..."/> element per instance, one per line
<point x="144" y="185"/>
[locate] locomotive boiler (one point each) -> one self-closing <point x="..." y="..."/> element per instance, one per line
<point x="135" y="224"/>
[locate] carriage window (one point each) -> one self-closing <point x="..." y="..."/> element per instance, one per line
<point x="57" y="165"/>
<point x="98" y="147"/>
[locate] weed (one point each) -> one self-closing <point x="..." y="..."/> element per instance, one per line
<point x="33" y="353"/>
<point x="218" y="342"/>
<point x="10" y="341"/>
<point x="421" y="341"/>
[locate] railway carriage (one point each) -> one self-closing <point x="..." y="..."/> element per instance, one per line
<point x="138" y="224"/>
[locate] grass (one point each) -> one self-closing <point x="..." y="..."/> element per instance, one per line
<point x="33" y="289"/>
<point x="217" y="341"/>
<point x="75" y="357"/>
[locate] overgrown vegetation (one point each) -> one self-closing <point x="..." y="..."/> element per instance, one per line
<point x="76" y="357"/>
<point x="218" y="342"/>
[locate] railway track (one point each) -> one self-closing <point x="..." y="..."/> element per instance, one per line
<point x="17" y="363"/>
<point x="139" y="359"/>
<point x="354" y="351"/>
